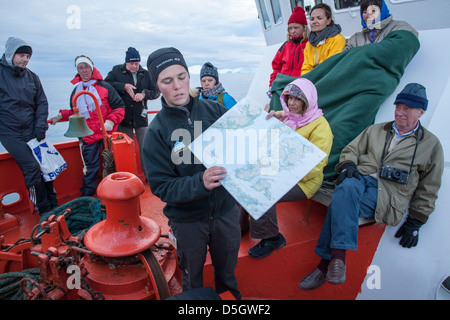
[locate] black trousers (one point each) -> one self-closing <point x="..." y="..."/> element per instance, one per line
<point x="41" y="193"/>
<point x="222" y="236"/>
<point x="267" y="226"/>
<point x="91" y="156"/>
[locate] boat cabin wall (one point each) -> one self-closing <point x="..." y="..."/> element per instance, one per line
<point x="421" y="14"/>
<point x="428" y="67"/>
<point x="428" y="264"/>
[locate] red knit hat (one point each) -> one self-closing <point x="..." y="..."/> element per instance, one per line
<point x="298" y="16"/>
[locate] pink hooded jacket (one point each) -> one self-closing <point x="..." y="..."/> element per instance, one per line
<point x="313" y="126"/>
<point x="307" y="92"/>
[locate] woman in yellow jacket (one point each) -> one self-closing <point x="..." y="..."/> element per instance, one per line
<point x="301" y="113"/>
<point x="325" y="39"/>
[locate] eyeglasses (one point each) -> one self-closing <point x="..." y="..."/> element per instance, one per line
<point x="83" y="68"/>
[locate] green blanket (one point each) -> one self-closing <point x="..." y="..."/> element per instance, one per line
<point x="353" y="84"/>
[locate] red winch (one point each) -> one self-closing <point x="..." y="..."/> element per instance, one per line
<point x="123" y="257"/>
<point x="126" y="266"/>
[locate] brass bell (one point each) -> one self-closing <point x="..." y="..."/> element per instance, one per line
<point x="78" y="127"/>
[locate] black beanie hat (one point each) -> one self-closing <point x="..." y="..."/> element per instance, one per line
<point x="163" y="58"/>
<point x="132" y="55"/>
<point x="25" y="49"/>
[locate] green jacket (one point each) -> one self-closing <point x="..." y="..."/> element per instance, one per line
<point x="352" y="85"/>
<point x="421" y="191"/>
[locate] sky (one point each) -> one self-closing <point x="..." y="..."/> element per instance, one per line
<point x="224" y="32"/>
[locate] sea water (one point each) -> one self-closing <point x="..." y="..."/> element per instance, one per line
<point x="58" y="92"/>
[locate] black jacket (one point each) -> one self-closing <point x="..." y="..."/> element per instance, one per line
<point x="181" y="185"/>
<point x="23" y="104"/>
<point x="118" y="77"/>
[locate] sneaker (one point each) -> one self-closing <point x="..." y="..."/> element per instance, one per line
<point x="266" y="246"/>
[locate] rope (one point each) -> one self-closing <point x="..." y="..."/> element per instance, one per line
<point x="82" y="158"/>
<point x="108" y="163"/>
<point x="85" y="212"/>
<point x="10" y="288"/>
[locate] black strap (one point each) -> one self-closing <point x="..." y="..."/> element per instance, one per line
<point x="419" y="136"/>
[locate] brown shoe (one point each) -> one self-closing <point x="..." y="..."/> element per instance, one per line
<point x="313" y="280"/>
<point x="336" y="272"/>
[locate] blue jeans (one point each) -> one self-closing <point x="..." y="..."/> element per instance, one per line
<point x="351" y="199"/>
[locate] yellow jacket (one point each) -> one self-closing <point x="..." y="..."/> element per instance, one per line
<point x="319" y="133"/>
<point x="316" y="55"/>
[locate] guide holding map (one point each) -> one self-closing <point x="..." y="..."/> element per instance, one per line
<point x="302" y="114"/>
<point x="201" y="213"/>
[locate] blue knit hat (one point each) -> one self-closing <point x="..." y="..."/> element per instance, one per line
<point x="132" y="55"/>
<point x="208" y="70"/>
<point x="414" y="95"/>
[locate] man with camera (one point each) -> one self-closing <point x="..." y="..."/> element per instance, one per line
<point x="389" y="168"/>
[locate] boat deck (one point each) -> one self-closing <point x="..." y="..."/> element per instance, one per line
<point x="273" y="277"/>
<point x="277" y="276"/>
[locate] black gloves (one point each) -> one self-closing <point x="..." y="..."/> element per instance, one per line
<point x="409" y="232"/>
<point x="40" y="134"/>
<point x="348" y="170"/>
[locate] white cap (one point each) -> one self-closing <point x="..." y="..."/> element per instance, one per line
<point x="84" y="59"/>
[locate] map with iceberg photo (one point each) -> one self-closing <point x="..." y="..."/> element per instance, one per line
<point x="264" y="159"/>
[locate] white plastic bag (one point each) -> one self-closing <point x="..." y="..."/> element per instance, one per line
<point x="50" y="160"/>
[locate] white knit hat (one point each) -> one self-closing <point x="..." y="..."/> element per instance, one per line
<point x="84" y="59"/>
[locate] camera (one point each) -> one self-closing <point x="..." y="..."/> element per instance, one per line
<point x="394" y="174"/>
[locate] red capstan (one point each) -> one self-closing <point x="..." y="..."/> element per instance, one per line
<point x="124" y="232"/>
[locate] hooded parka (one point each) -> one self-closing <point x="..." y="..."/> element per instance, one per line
<point x="23" y="117"/>
<point x="23" y="103"/>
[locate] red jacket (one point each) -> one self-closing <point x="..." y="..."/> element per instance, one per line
<point x="288" y="60"/>
<point x="112" y="108"/>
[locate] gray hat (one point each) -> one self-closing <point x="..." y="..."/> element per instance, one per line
<point x="15" y="45"/>
<point x="208" y="70"/>
<point x="161" y="59"/>
<point x="414" y="95"/>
